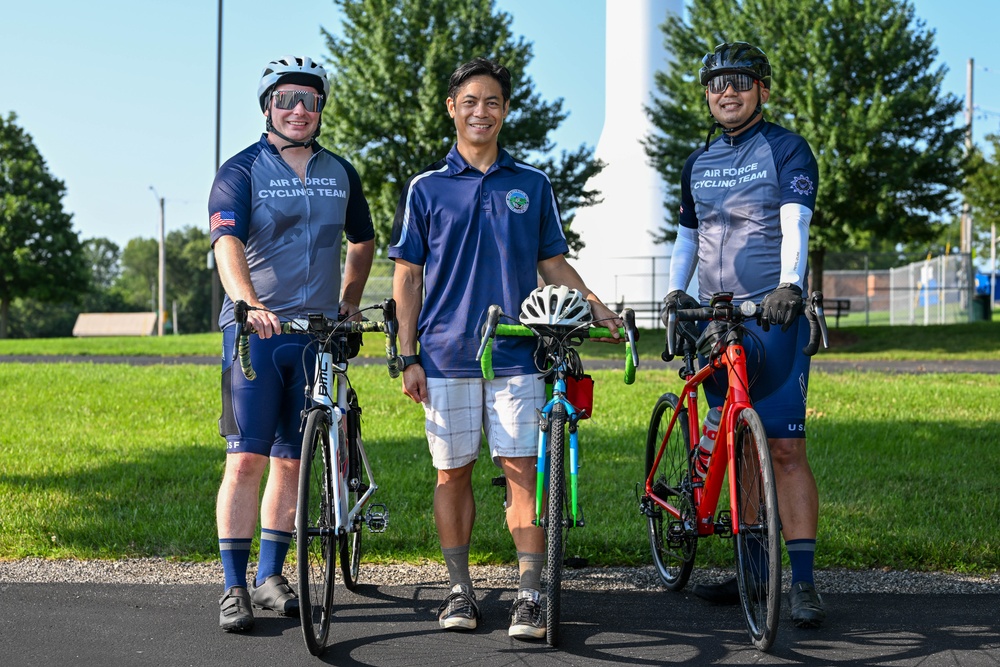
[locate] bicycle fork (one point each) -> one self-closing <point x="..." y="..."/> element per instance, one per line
<point x="542" y="479"/>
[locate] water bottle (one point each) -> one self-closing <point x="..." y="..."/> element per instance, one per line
<point x="707" y="443"/>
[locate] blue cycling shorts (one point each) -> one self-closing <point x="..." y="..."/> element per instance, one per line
<point x="778" y="372"/>
<point x="263" y="416"/>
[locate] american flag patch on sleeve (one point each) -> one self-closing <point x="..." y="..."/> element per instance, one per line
<point x="222" y="219"/>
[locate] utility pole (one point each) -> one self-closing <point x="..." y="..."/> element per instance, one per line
<point x="965" y="235"/>
<point x="162" y="271"/>
<point x="216" y="283"/>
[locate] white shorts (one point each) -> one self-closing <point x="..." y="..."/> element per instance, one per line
<point x="460" y="410"/>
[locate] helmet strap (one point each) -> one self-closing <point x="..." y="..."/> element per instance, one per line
<point x="269" y="127"/>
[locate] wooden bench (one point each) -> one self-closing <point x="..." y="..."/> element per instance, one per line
<point x="839" y="307"/>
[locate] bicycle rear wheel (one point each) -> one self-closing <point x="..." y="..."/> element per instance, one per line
<point x="315" y="535"/>
<point x="758" y="541"/>
<point x="556" y="523"/>
<point x="674" y="545"/>
<point x="357" y="484"/>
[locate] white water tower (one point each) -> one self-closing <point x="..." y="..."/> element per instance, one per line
<point x="620" y="261"/>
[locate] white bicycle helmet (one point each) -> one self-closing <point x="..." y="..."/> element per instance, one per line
<point x="292" y="69"/>
<point x="555" y="304"/>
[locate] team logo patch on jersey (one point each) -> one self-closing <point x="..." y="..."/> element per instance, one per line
<point x="802" y="185"/>
<point x="517" y="201"/>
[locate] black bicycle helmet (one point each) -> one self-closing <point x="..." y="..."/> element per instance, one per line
<point x="738" y="57"/>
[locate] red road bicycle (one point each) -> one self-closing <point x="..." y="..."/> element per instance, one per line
<point x="680" y="503"/>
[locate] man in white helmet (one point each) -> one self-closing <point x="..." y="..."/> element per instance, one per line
<point x="278" y="211"/>
<point x="477" y="228"/>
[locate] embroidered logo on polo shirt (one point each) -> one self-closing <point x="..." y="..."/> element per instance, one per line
<point x="517" y="201"/>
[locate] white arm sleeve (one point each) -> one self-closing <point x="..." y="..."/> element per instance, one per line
<point x="794" y="243"/>
<point x="683" y="259"/>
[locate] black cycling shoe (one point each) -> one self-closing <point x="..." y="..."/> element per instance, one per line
<point x="275" y="594"/>
<point x="235" y="614"/>
<point x="726" y="592"/>
<point x="807" y="606"/>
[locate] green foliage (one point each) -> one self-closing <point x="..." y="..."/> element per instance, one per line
<point x="982" y="192"/>
<point x="40" y="254"/>
<point x="858" y="80"/>
<point x="389" y="82"/>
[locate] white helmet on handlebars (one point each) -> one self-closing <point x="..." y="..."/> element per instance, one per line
<point x="555" y="304"/>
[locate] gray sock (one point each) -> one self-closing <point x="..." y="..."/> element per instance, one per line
<point x="457" y="561"/>
<point x="530" y="566"/>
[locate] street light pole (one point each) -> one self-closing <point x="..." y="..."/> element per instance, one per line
<point x="216" y="283"/>
<point x="161" y="273"/>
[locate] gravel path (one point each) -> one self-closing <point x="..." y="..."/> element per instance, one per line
<point x="162" y="571"/>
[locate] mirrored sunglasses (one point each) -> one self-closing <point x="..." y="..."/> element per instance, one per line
<point x="289" y="99"/>
<point x="741" y="83"/>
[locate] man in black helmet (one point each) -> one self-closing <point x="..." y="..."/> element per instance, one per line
<point x="746" y="201"/>
<point x="278" y="211"/>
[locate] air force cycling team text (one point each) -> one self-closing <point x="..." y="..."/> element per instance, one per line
<point x="293" y="188"/>
<point x="727" y="178"/>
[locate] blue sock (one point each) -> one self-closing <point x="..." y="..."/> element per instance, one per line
<point x="235" y="554"/>
<point x="273" y="549"/>
<point x="801" y="554"/>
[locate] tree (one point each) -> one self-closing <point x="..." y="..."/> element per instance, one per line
<point x="857" y="79"/>
<point x="40" y="254"/>
<point x="982" y="192"/>
<point x="389" y="81"/>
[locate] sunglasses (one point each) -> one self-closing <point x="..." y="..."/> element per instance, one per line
<point x="289" y="99"/>
<point x="741" y="83"/>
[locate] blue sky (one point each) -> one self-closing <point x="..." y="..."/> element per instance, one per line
<point x="119" y="95"/>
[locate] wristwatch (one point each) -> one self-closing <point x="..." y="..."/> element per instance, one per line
<point x="406" y="360"/>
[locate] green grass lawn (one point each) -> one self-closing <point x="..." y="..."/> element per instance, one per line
<point x="111" y="460"/>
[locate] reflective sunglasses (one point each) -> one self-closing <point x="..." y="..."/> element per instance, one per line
<point x="289" y="99"/>
<point x="741" y="83"/>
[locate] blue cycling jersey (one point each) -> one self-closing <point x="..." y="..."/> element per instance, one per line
<point x="292" y="231"/>
<point x="732" y="194"/>
<point x="479" y="238"/>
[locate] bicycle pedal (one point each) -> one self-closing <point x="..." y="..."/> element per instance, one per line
<point x="377" y="518"/>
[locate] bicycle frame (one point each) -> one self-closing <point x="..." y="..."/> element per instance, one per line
<point x="737" y="399"/>
<point x="330" y="380"/>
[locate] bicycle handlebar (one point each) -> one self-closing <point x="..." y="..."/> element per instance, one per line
<point x="493" y="328"/>
<point x="723" y="309"/>
<point x="320" y="324"/>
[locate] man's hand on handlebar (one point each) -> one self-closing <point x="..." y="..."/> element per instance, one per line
<point x="782" y="306"/>
<point x="605" y="317"/>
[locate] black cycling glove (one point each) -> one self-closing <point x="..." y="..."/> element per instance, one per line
<point x="684" y="330"/>
<point x="782" y="306"/>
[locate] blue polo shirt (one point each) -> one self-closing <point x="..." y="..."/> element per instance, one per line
<point x="292" y="231"/>
<point x="732" y="194"/>
<point x="479" y="238"/>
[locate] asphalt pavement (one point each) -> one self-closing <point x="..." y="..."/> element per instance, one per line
<point x="396" y="626"/>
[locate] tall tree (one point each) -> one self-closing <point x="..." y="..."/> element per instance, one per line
<point x="858" y="80"/>
<point x="982" y="192"/>
<point x="40" y="254"/>
<point x="389" y="81"/>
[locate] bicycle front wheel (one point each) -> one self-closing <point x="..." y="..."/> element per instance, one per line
<point x="357" y="485"/>
<point x="315" y="534"/>
<point x="758" y="541"/>
<point x="555" y="523"/>
<point x="673" y="545"/>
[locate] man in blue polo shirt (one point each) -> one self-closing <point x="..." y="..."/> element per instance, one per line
<point x="474" y="229"/>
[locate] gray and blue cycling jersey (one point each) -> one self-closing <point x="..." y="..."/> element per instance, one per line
<point x="292" y="231"/>
<point x="732" y="194"/>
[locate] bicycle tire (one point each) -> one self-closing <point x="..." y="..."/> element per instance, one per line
<point x="759" y="531"/>
<point x="315" y="534"/>
<point x="555" y="523"/>
<point x="674" y="549"/>
<point x="350" y="543"/>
